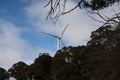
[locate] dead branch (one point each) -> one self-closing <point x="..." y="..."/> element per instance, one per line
<point x="105" y="20"/>
<point x="57" y="8"/>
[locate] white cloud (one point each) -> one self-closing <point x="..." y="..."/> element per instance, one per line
<point x="12" y="47"/>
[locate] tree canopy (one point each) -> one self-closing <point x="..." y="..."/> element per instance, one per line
<point x="40" y="69"/>
<point x="19" y="71"/>
<point x="3" y="74"/>
<point x="101" y="57"/>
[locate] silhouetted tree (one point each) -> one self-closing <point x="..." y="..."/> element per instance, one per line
<point x="40" y="69"/>
<point x="66" y="64"/>
<point x="19" y="71"/>
<point x="3" y="74"/>
<point x="100" y="60"/>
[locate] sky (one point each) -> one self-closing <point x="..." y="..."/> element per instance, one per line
<point x="21" y="24"/>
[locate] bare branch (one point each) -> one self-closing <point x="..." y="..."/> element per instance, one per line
<point x="57" y="8"/>
<point x="101" y="16"/>
<point x="47" y="3"/>
<point x="95" y="19"/>
<point x="114" y="20"/>
<point x="78" y="5"/>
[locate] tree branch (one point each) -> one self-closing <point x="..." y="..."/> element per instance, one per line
<point x="57" y="8"/>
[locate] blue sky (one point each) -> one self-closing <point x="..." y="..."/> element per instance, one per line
<point x="21" y="22"/>
<point x="13" y="11"/>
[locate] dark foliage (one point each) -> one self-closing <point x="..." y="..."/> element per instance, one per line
<point x="66" y="64"/>
<point x="3" y="74"/>
<point x="40" y="69"/>
<point x="98" y="4"/>
<point x="101" y="58"/>
<point x="19" y="71"/>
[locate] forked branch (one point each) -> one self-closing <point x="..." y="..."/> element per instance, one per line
<point x="57" y="8"/>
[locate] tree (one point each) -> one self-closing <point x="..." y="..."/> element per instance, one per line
<point x="40" y="69"/>
<point x="3" y="74"/>
<point x="57" y="7"/>
<point x="66" y="64"/>
<point x="100" y="60"/>
<point x="19" y="71"/>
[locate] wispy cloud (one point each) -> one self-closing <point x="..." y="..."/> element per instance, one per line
<point x="13" y="48"/>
